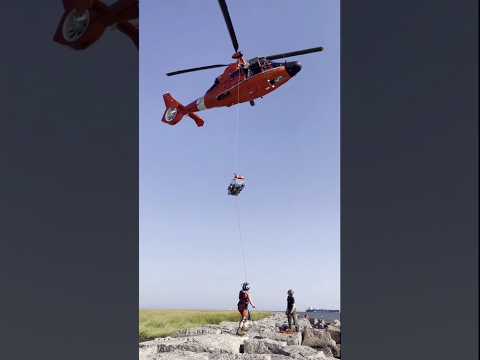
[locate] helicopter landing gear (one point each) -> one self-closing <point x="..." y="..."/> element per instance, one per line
<point x="252" y="103"/>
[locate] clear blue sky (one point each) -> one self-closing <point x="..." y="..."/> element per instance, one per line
<point x="290" y="153"/>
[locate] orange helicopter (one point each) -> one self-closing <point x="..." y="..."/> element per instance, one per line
<point x="84" y="21"/>
<point x="242" y="81"/>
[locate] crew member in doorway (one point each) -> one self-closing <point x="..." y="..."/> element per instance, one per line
<point x="291" y="311"/>
<point x="244" y="299"/>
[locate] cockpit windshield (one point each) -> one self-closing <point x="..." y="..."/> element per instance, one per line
<point x="254" y="66"/>
<point x="257" y="65"/>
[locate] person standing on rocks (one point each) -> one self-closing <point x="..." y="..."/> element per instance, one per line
<point x="291" y="311"/>
<point x="244" y="299"/>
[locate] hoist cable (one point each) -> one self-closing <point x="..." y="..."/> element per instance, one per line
<point x="236" y="157"/>
<point x="242" y="245"/>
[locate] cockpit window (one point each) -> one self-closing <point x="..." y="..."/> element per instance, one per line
<point x="254" y="67"/>
<point x="214" y="85"/>
<point x="257" y="65"/>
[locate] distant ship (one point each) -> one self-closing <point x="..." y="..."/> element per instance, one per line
<point x="312" y="309"/>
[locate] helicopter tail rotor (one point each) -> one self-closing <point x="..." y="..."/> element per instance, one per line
<point x="175" y="112"/>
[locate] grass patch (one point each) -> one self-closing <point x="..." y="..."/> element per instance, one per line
<point x="161" y="323"/>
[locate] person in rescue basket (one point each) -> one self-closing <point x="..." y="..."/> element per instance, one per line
<point x="244" y="299"/>
<point x="291" y="311"/>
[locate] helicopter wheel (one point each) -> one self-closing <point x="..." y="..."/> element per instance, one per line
<point x="252" y="103"/>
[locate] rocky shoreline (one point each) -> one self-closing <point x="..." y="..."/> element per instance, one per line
<point x="264" y="340"/>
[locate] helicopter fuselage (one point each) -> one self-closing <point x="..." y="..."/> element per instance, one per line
<point x="239" y="84"/>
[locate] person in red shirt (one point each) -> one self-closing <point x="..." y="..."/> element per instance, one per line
<point x="244" y="299"/>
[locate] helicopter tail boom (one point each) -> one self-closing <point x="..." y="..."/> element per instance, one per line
<point x="175" y="112"/>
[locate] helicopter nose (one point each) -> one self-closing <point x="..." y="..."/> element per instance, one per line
<point x="293" y="67"/>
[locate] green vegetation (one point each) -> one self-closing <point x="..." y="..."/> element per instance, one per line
<point x="161" y="323"/>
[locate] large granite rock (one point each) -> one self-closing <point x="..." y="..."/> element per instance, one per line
<point x="188" y="355"/>
<point x="184" y="355"/>
<point x="320" y="340"/>
<point x="240" y="357"/>
<point x="335" y="333"/>
<point x="304" y="323"/>
<point x="146" y="355"/>
<point x="280" y="350"/>
<point x="305" y="352"/>
<point x="294" y="338"/>
<point x="317" y="338"/>
<point x="217" y="343"/>
<point x="147" y="350"/>
<point x="337" y="353"/>
<point x="204" y="330"/>
<point x="263" y="346"/>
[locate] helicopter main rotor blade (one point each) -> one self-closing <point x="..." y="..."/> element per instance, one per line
<point x="195" y="69"/>
<point x="294" y="53"/>
<point x="228" y="21"/>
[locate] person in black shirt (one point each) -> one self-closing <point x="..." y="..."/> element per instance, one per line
<point x="291" y="311"/>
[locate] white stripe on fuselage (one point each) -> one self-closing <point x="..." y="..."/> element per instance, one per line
<point x="201" y="103"/>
